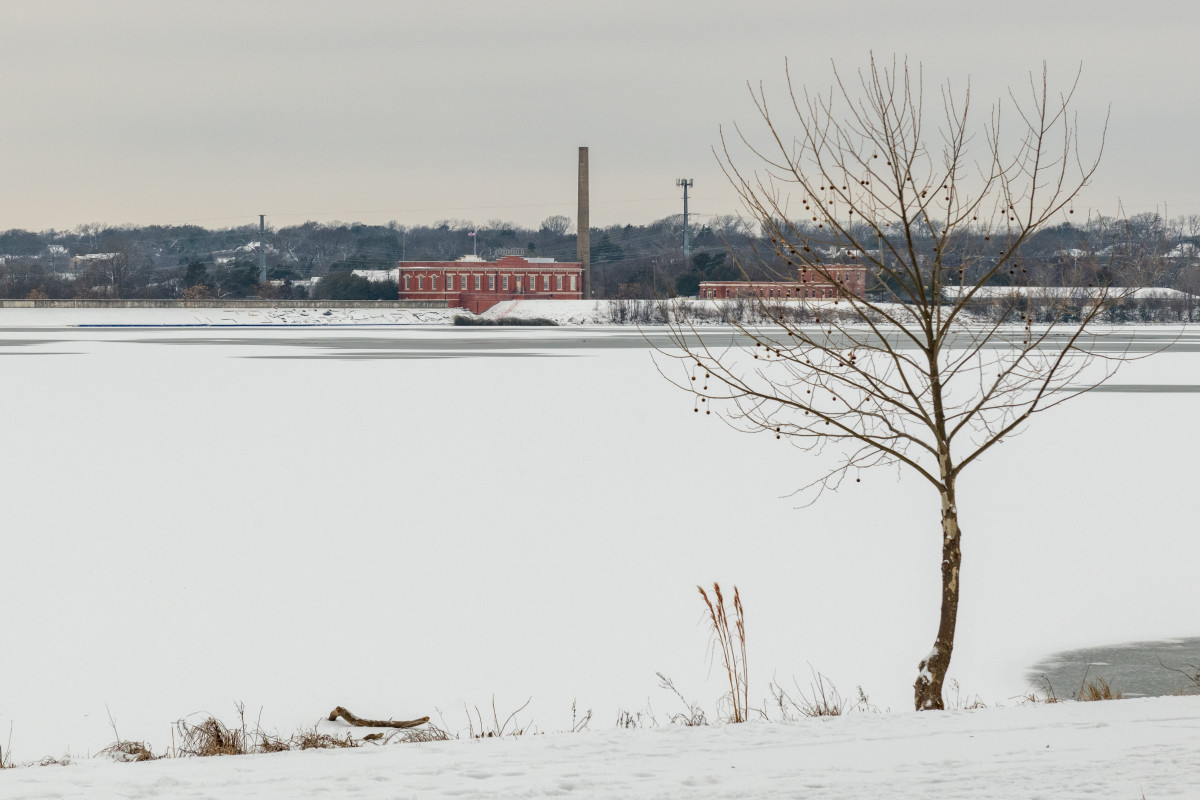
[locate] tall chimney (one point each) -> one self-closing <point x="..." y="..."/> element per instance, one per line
<point x="583" y="227"/>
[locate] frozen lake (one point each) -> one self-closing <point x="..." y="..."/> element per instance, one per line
<point x="1135" y="669"/>
<point x="407" y="520"/>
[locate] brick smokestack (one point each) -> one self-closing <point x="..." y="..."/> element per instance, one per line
<point x="583" y="226"/>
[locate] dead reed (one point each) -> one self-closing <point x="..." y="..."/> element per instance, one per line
<point x="695" y="715"/>
<point x="210" y="738"/>
<point x="1190" y="672"/>
<point x="821" y="700"/>
<point x="1097" y="689"/>
<point x="125" y="750"/>
<point x="428" y="733"/>
<point x="731" y="641"/>
<point x="312" y="739"/>
<point x="1045" y="695"/>
<point x="497" y="728"/>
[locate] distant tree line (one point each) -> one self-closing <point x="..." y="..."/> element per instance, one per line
<point x="628" y="261"/>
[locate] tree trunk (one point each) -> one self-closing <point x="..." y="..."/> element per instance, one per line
<point x="928" y="687"/>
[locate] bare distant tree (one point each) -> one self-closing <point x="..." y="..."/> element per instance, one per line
<point x="557" y="225"/>
<point x="728" y="226"/>
<point x="921" y="371"/>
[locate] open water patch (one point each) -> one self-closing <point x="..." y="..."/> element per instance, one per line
<point x="1135" y="669"/>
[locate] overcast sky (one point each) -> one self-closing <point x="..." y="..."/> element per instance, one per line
<point x="213" y="111"/>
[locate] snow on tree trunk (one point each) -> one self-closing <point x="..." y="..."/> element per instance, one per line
<point x="928" y="688"/>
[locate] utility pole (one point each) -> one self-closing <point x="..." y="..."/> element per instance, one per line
<point x="262" y="248"/>
<point x="687" y="250"/>
<point x="583" y="226"/>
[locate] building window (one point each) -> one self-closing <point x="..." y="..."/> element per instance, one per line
<point x="545" y="283"/>
<point x="406" y="283"/>
<point x="559" y="277"/>
<point x="572" y="283"/>
<point x="477" y="283"/>
<point x="420" y="283"/>
<point x="491" y="283"/>
<point x="449" y="283"/>
<point x="433" y="282"/>
<point x="518" y="285"/>
<point x="504" y="283"/>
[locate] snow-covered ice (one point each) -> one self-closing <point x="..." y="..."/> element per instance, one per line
<point x="300" y="518"/>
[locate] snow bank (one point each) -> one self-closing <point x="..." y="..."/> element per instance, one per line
<point x="559" y="312"/>
<point x="224" y="317"/>
<point x="1130" y="748"/>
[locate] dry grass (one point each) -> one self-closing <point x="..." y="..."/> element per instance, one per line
<point x="694" y="716"/>
<point x="274" y="744"/>
<point x="822" y="699"/>
<point x="636" y="719"/>
<point x="1097" y="689"/>
<point x="125" y="750"/>
<point x="1045" y="693"/>
<point x="210" y="738"/>
<point x="959" y="702"/>
<point x="497" y="728"/>
<point x="429" y="733"/>
<point x="312" y="739"/>
<point x="579" y="723"/>
<point x="732" y="644"/>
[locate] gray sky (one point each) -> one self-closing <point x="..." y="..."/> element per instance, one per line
<point x="171" y="111"/>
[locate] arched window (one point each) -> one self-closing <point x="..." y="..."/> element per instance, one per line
<point x="420" y="283"/>
<point x="433" y="282"/>
<point x="406" y="283"/>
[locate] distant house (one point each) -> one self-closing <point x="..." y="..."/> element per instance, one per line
<point x="307" y="284"/>
<point x="82" y="262"/>
<point x="477" y="285"/>
<point x="377" y="275"/>
<point x="808" y="285"/>
<point x="247" y="252"/>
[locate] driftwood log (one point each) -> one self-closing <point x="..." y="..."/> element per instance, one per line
<point x="375" y="723"/>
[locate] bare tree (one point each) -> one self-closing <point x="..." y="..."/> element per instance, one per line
<point x="557" y="225"/>
<point x="919" y="371"/>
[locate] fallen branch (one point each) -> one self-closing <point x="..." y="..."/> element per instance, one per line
<point x="374" y="723"/>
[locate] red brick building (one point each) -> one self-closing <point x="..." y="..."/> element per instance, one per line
<point x="477" y="285"/>
<point x="808" y="285"/>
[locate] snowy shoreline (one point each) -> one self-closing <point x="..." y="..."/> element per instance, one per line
<point x="1126" y="748"/>
<point x="564" y="313"/>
